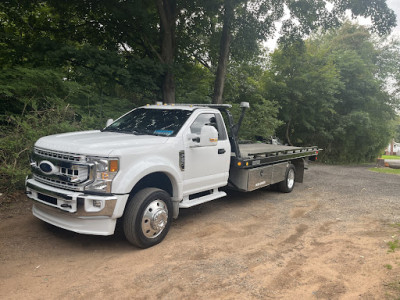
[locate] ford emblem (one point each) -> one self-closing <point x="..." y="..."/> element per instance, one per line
<point x="47" y="167"/>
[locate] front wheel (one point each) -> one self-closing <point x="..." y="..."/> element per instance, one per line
<point x="287" y="185"/>
<point x="148" y="217"/>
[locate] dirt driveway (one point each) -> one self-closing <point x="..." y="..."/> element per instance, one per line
<point x="328" y="239"/>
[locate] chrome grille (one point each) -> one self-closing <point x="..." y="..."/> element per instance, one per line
<point x="63" y="170"/>
<point x="76" y="173"/>
<point x="57" y="183"/>
<point x="59" y="155"/>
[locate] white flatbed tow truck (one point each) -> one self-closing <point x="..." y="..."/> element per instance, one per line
<point x="147" y="165"/>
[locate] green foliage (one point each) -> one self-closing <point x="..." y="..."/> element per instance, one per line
<point x="33" y="105"/>
<point x="386" y="170"/>
<point x="19" y="135"/>
<point x="25" y="87"/>
<point x="396" y="125"/>
<point x="193" y="84"/>
<point x="304" y="82"/>
<point x="393" y="245"/>
<point x="390" y="156"/>
<point x="388" y="266"/>
<point x="332" y="93"/>
<point x="261" y="120"/>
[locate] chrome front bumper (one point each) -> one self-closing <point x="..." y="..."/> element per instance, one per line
<point x="78" y="203"/>
<point x="74" y="211"/>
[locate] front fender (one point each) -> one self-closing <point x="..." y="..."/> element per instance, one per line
<point x="129" y="177"/>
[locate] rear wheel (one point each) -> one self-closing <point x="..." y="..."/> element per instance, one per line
<point x="287" y="185"/>
<point x="148" y="217"/>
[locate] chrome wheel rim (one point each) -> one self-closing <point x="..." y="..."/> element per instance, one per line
<point x="155" y="219"/>
<point x="290" y="179"/>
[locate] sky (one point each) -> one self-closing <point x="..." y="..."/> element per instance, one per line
<point x="395" y="5"/>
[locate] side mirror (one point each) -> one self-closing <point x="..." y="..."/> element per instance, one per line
<point x="208" y="137"/>
<point x="109" y="122"/>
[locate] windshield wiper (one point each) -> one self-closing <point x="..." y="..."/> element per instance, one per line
<point x="118" y="130"/>
<point x="159" y="134"/>
<point x="135" y="132"/>
<point x="110" y="130"/>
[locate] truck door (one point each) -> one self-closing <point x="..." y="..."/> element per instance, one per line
<point x="206" y="167"/>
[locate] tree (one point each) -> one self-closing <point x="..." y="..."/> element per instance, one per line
<point x="252" y="22"/>
<point x="168" y="14"/>
<point x="223" y="52"/>
<point x="332" y="93"/>
<point x="304" y="81"/>
<point x="243" y="85"/>
<point x="305" y="17"/>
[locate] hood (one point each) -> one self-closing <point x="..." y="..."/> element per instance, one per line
<point x="96" y="143"/>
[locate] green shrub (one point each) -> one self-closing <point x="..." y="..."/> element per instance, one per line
<point x="19" y="133"/>
<point x="34" y="104"/>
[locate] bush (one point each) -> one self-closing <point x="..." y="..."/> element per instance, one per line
<point x="34" y="105"/>
<point x="20" y="133"/>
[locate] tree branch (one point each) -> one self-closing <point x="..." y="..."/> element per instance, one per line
<point x="145" y="41"/>
<point x="201" y="61"/>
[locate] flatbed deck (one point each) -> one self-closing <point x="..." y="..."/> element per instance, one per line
<point x="251" y="150"/>
<point x="257" y="154"/>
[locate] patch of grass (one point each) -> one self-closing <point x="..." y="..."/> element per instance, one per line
<point x="393" y="289"/>
<point x="388" y="266"/>
<point x="393" y="245"/>
<point x="390" y="156"/>
<point x="386" y="170"/>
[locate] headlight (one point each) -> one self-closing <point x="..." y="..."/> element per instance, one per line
<point x="105" y="169"/>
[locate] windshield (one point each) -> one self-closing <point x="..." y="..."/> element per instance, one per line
<point x="142" y="121"/>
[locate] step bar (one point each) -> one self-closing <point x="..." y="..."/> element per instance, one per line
<point x="186" y="203"/>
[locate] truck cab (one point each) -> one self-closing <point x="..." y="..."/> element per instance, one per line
<point x="83" y="181"/>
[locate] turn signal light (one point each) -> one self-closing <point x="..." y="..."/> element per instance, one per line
<point x="113" y="166"/>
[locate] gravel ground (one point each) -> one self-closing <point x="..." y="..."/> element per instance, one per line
<point x="328" y="239"/>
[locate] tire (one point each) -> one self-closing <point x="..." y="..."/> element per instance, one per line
<point x="287" y="185"/>
<point x="147" y="217"/>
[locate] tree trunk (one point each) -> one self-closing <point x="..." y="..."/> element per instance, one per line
<point x="223" y="53"/>
<point x="287" y="134"/>
<point x="167" y="12"/>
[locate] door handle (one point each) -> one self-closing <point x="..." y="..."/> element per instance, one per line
<point x="221" y="151"/>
